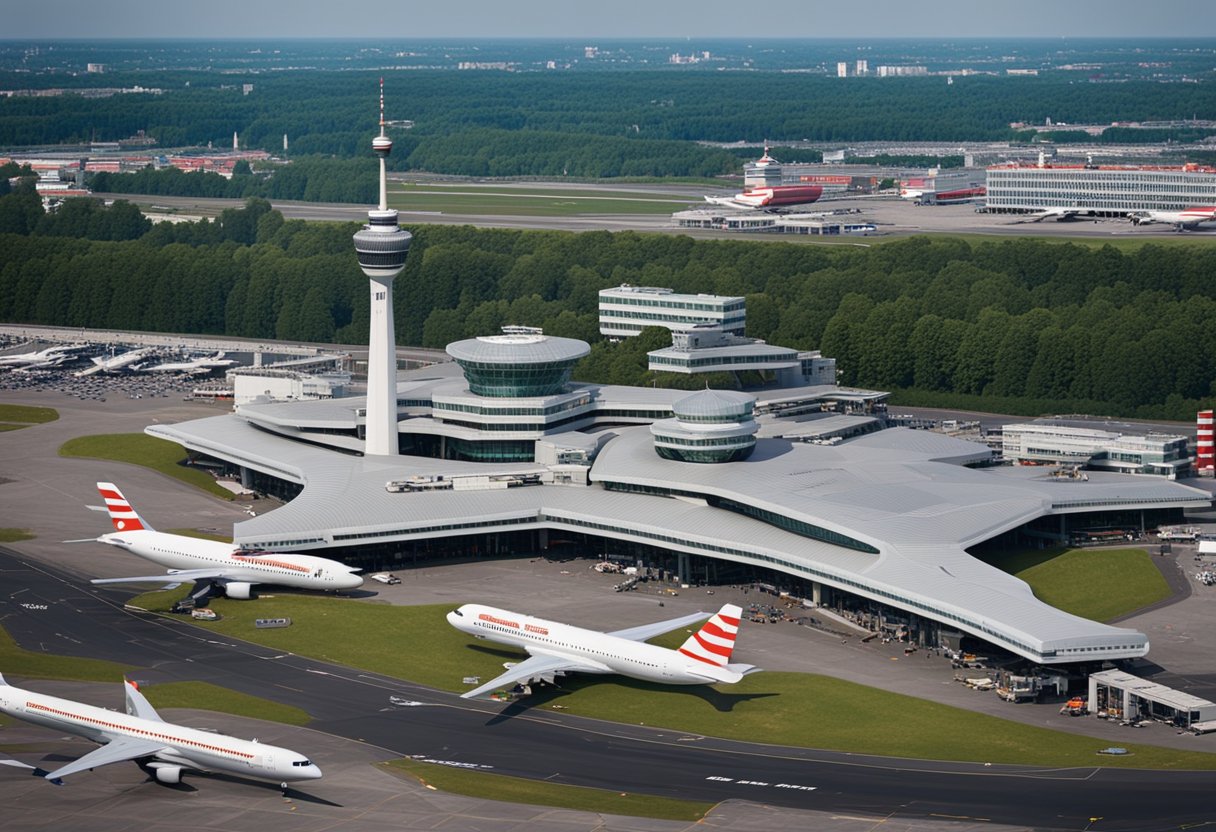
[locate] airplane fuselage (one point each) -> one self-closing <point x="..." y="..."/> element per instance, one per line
<point x="594" y="649"/>
<point x="175" y="551"/>
<point x="183" y="746"/>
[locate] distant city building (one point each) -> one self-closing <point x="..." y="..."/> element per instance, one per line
<point x="1045" y="444"/>
<point x="246" y="89"/>
<point x="842" y="69"/>
<point x="863" y="67"/>
<point x="901" y="71"/>
<point x="96" y="68"/>
<point x="626" y="310"/>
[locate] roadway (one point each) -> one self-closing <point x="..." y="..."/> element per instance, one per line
<point x="45" y="609"/>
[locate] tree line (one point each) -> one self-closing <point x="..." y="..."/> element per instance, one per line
<point x="1057" y="326"/>
<point x="334" y="113"/>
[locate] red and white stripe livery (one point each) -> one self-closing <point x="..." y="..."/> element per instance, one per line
<point x="192" y="559"/>
<point x="713" y="643"/>
<point x="556" y="649"/>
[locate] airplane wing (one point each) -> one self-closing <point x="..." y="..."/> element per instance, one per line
<point x="537" y="667"/>
<point x="115" y="751"/>
<point x="178" y="576"/>
<point x="649" y="631"/>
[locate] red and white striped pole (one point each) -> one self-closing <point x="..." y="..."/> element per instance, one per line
<point x="1205" y="453"/>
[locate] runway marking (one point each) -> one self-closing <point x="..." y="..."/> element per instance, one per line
<point x="958" y="817"/>
<point x="285" y="687"/>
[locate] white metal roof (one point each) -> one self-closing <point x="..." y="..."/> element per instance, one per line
<point x="898" y="491"/>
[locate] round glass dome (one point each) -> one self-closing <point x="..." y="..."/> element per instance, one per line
<point x="517" y="366"/>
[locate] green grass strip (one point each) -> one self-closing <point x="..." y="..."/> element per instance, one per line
<point x="208" y="697"/>
<point x="1098" y="584"/>
<point x="150" y="452"/>
<point x="27" y="415"/>
<point x="796" y="709"/>
<point x="489" y="786"/>
<point x="26" y="663"/>
<point x="15" y="535"/>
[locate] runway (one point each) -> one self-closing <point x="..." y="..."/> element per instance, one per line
<point x="48" y="610"/>
<point x="893" y="218"/>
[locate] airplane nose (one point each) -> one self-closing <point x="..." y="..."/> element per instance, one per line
<point x="312" y="772"/>
<point x="352" y="581"/>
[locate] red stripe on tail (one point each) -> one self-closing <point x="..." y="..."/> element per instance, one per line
<point x="692" y="655"/>
<point x="711" y="647"/>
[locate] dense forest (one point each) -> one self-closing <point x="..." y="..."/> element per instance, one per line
<point x="537" y="123"/>
<point x="1035" y="325"/>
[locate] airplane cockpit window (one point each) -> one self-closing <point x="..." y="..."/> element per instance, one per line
<point x="458" y="612"/>
<point x="302" y="763"/>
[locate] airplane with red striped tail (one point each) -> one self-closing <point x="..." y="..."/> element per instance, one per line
<point x="225" y="565"/>
<point x="557" y="649"/>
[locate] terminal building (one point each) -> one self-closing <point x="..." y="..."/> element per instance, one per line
<point x="1095" y="449"/>
<point x="712" y="487"/>
<point x="626" y="310"/>
<point x="1098" y="190"/>
<point x="708" y="349"/>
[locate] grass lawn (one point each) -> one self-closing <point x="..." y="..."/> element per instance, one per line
<point x="471" y="198"/>
<point x="18" y="662"/>
<point x="1098" y="584"/>
<point x="209" y="697"/>
<point x="15" y="535"/>
<point x="785" y="708"/>
<point x="488" y="786"/>
<point x="17" y="416"/>
<point x="148" y="451"/>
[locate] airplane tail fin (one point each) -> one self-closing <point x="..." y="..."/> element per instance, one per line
<point x="137" y="703"/>
<point x="715" y="640"/>
<point x="122" y="515"/>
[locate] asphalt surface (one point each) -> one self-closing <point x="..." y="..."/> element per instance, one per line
<point x="47" y="610"/>
<point x="892" y="216"/>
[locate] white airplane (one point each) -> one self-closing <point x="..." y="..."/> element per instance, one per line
<point x="1188" y="218"/>
<point x="1057" y="214"/>
<point x="770" y="198"/>
<point x="557" y="649"/>
<point x="203" y="364"/>
<point x="224" y="564"/>
<point x="116" y="362"/>
<point x="163" y="748"/>
<point x="49" y="357"/>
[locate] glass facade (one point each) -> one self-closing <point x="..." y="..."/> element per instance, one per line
<point x="1099" y="190"/>
<point x="499" y="380"/>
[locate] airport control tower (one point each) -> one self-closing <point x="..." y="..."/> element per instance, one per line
<point x="382" y="247"/>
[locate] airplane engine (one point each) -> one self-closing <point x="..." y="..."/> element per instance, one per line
<point x="169" y="775"/>
<point x="239" y="590"/>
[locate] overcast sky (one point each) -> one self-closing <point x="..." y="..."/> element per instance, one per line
<point x="607" y="18"/>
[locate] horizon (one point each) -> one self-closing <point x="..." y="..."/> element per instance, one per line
<point x="624" y="19"/>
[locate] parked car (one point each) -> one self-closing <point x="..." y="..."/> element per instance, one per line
<point x="386" y="578"/>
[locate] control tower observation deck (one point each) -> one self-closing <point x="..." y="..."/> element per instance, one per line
<point x="382" y="247"/>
